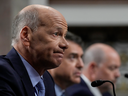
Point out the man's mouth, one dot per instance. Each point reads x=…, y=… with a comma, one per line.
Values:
x=78, y=74
x=59, y=52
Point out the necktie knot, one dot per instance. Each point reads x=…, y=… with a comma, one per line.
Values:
x=41, y=88
x=63, y=94
x=40, y=85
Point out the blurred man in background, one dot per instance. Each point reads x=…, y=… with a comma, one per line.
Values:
x=69, y=71
x=102, y=62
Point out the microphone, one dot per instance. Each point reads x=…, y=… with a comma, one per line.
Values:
x=126, y=75
x=100, y=82
x=97, y=83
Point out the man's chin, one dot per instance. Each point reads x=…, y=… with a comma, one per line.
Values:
x=77, y=80
x=54, y=65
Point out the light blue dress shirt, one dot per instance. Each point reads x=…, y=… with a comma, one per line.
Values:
x=33, y=74
x=58, y=90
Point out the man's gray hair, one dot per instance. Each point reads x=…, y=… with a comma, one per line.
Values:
x=96, y=55
x=26, y=18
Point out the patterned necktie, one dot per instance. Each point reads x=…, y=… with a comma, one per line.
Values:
x=41, y=88
x=63, y=94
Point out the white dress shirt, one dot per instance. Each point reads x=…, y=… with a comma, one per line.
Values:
x=94, y=90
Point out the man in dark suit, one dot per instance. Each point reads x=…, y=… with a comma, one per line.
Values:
x=38, y=41
x=102, y=62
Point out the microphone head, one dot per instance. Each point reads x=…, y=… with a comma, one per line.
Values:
x=97, y=83
x=126, y=75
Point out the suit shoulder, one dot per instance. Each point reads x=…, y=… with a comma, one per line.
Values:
x=49, y=83
x=80, y=89
x=48, y=77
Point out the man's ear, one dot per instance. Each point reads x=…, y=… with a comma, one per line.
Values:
x=93, y=69
x=25, y=35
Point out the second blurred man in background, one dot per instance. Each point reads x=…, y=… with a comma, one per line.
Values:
x=102, y=62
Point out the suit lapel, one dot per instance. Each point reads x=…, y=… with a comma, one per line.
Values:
x=49, y=84
x=28, y=86
x=21, y=70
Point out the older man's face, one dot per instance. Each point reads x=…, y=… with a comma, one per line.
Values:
x=109, y=70
x=48, y=42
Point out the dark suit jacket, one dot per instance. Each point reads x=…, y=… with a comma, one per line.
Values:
x=107, y=94
x=14, y=79
x=81, y=89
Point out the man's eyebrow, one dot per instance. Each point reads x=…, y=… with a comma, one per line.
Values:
x=74, y=54
x=58, y=27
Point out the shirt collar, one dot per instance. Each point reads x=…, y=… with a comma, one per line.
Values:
x=33, y=74
x=58, y=90
x=94, y=90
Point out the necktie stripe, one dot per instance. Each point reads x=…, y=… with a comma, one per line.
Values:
x=40, y=89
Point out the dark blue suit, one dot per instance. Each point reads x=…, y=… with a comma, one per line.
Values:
x=81, y=89
x=107, y=94
x=14, y=79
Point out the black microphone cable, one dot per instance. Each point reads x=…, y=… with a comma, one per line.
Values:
x=100, y=82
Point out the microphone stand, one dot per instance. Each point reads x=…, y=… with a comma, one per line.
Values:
x=100, y=82
x=113, y=87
